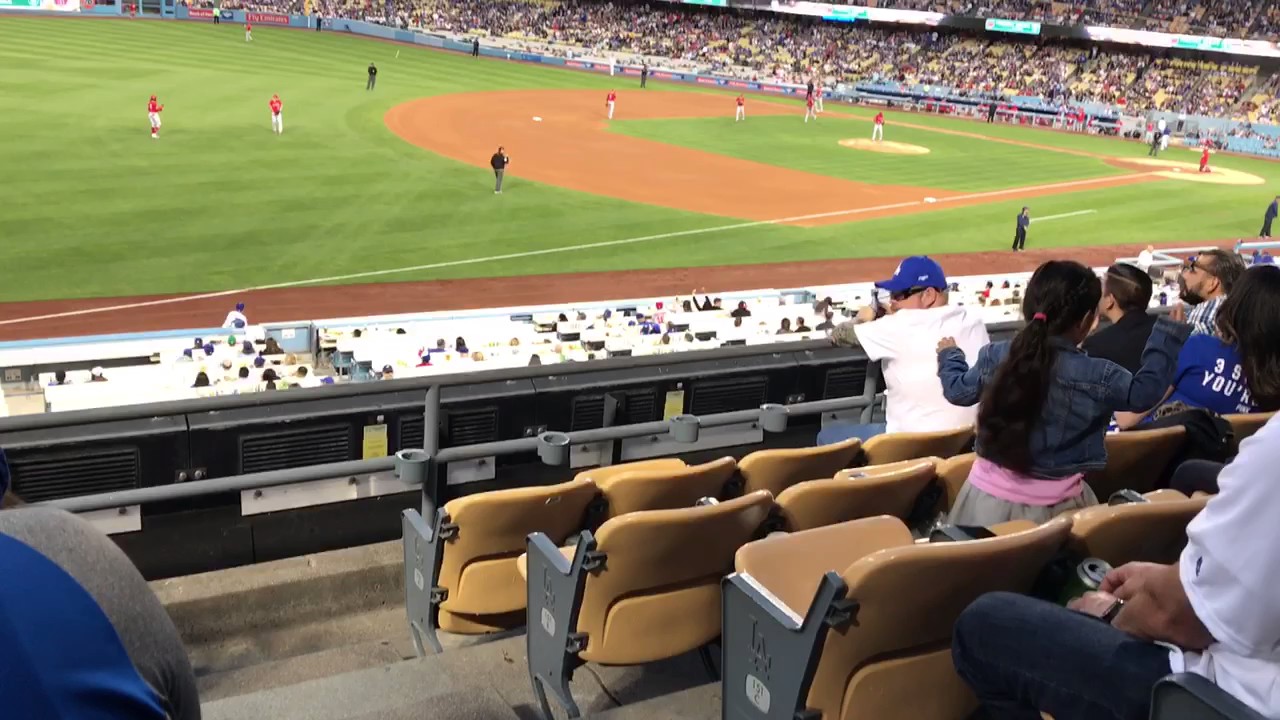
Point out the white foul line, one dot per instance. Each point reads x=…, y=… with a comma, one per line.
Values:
x=1062, y=215
x=552, y=251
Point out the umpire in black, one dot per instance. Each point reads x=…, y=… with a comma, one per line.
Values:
x=499, y=163
x=373, y=77
x=644, y=74
x=1020, y=233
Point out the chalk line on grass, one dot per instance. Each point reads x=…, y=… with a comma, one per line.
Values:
x=1059, y=216
x=552, y=251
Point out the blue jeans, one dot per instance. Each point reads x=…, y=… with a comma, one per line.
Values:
x=839, y=432
x=1023, y=656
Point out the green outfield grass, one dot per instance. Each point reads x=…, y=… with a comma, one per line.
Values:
x=954, y=162
x=93, y=207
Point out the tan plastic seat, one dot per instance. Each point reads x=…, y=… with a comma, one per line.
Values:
x=478, y=569
x=1154, y=531
x=893, y=660
x=1135, y=460
x=852, y=494
x=1244, y=425
x=657, y=593
x=896, y=447
x=662, y=488
x=601, y=474
x=777, y=470
x=952, y=474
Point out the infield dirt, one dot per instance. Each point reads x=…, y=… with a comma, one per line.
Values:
x=572, y=148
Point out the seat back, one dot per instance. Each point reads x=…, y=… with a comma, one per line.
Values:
x=1244, y=425
x=866, y=492
x=602, y=474
x=777, y=470
x=908, y=600
x=896, y=447
x=658, y=592
x=952, y=474
x=1136, y=460
x=1154, y=531
x=663, y=488
x=479, y=564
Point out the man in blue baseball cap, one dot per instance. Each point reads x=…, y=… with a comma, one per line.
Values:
x=903, y=336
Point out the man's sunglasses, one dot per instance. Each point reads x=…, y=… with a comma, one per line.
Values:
x=904, y=294
x=1195, y=264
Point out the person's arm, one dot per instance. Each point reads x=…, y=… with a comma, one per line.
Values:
x=1143, y=390
x=961, y=385
x=1129, y=420
x=1156, y=606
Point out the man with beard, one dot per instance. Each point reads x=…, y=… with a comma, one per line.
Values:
x=1205, y=281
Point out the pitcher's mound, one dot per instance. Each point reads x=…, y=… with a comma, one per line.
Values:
x=1175, y=170
x=883, y=146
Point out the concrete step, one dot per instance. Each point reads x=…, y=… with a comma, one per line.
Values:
x=488, y=680
x=297, y=669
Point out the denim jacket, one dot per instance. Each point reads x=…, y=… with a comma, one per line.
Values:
x=1084, y=394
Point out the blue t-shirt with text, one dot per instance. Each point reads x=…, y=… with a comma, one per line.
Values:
x=1209, y=375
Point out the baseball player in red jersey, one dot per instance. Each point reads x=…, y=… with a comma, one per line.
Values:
x=248, y=31
x=1204, y=160
x=877, y=128
x=610, y=100
x=808, y=109
x=817, y=96
x=153, y=114
x=277, y=118
x=741, y=113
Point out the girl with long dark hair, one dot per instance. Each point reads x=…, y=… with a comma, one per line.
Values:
x=1045, y=403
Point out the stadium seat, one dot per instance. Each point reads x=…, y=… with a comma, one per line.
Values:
x=896, y=447
x=852, y=494
x=777, y=470
x=645, y=587
x=1136, y=460
x=658, y=486
x=1244, y=425
x=952, y=474
x=1187, y=696
x=461, y=574
x=877, y=611
x=1154, y=530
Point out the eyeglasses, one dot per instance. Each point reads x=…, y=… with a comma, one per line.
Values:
x=1195, y=264
x=904, y=294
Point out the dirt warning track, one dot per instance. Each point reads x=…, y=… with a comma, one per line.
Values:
x=571, y=147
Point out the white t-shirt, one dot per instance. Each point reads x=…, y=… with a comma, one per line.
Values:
x=907, y=344
x=1145, y=258
x=1229, y=570
x=1160, y=125
x=232, y=317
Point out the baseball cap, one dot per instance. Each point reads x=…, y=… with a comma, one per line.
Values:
x=916, y=271
x=96, y=372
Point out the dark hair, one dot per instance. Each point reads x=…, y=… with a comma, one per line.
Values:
x=244, y=372
x=60, y=377
x=269, y=374
x=1249, y=318
x=202, y=380
x=271, y=384
x=1227, y=267
x=1130, y=286
x=460, y=344
x=1059, y=297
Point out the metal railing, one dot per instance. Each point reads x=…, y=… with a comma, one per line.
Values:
x=419, y=464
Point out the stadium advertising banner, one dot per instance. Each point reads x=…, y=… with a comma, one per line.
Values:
x=46, y=5
x=1017, y=27
x=204, y=13
x=267, y=18
x=1258, y=48
x=853, y=13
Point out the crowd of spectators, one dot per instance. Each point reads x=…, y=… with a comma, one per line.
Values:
x=795, y=49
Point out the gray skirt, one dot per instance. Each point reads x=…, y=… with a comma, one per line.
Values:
x=976, y=508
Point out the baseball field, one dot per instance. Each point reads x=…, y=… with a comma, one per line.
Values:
x=391, y=185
